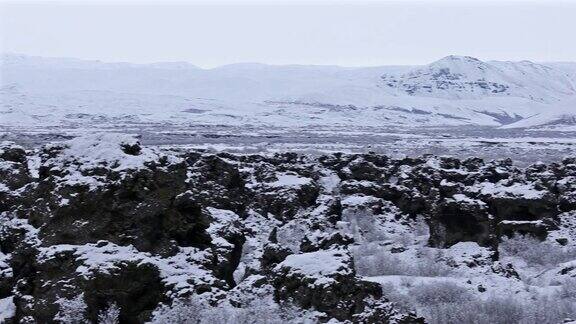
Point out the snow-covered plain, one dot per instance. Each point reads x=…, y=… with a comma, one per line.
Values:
x=457, y=105
x=455, y=90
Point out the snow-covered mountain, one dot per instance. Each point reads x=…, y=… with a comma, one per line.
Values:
x=455, y=90
x=459, y=77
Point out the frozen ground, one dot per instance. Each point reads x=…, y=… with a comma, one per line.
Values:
x=457, y=105
x=523, y=146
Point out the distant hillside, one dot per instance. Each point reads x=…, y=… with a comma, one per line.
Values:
x=455, y=90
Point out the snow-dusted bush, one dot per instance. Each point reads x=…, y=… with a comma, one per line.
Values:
x=494, y=310
x=180, y=312
x=421, y=228
x=199, y=312
x=535, y=252
x=380, y=263
x=72, y=311
x=548, y=309
x=372, y=259
x=430, y=263
x=568, y=289
x=386, y=263
x=402, y=301
x=440, y=292
x=500, y=309
x=446, y=302
x=111, y=315
x=364, y=226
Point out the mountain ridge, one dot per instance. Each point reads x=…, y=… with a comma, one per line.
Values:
x=455, y=90
x=11, y=56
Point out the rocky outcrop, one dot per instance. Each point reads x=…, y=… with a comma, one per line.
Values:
x=103, y=220
x=325, y=280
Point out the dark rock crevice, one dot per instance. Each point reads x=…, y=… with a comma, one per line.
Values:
x=197, y=216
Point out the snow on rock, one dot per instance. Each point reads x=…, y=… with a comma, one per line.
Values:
x=28, y=233
x=289, y=180
x=330, y=182
x=225, y=230
x=469, y=253
x=358, y=201
x=114, y=150
x=502, y=190
x=318, y=265
x=225, y=221
x=5, y=269
x=566, y=231
x=14, y=171
x=80, y=161
x=7, y=309
x=461, y=198
x=326, y=280
x=180, y=272
x=258, y=230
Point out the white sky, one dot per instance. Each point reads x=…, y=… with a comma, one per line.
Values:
x=349, y=33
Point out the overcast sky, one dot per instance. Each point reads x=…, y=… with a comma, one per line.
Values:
x=354, y=33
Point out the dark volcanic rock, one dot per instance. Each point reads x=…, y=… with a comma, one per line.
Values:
x=104, y=220
x=462, y=219
x=325, y=280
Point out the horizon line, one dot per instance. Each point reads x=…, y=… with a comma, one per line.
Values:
x=192, y=65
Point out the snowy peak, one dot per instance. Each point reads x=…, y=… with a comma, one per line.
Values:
x=459, y=67
x=456, y=61
x=451, y=77
x=465, y=77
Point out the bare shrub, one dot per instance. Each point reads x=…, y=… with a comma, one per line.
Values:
x=72, y=311
x=373, y=260
x=364, y=226
x=440, y=292
x=548, y=309
x=381, y=263
x=386, y=263
x=495, y=310
x=181, y=312
x=111, y=315
x=501, y=310
x=443, y=302
x=421, y=228
x=568, y=289
x=199, y=312
x=535, y=252
x=402, y=301
x=431, y=264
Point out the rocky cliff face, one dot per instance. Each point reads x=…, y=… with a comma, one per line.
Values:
x=101, y=225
